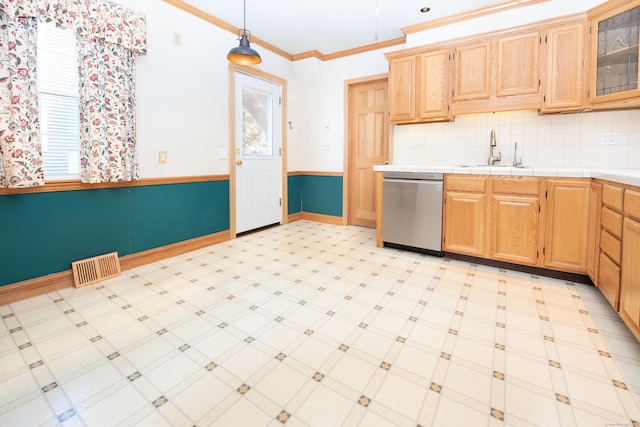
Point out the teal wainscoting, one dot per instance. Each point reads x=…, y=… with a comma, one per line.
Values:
x=42, y=233
x=320, y=194
x=294, y=194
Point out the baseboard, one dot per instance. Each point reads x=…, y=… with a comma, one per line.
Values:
x=34, y=287
x=294, y=217
x=325, y=219
x=56, y=281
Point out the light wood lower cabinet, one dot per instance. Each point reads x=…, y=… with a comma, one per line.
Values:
x=514, y=229
x=567, y=225
x=465, y=215
x=593, y=236
x=509, y=219
x=610, y=243
x=630, y=284
x=516, y=219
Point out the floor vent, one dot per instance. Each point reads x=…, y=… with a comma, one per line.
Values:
x=91, y=270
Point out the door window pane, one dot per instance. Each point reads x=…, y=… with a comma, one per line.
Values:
x=256, y=123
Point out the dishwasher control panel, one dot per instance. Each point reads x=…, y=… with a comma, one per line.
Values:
x=418, y=176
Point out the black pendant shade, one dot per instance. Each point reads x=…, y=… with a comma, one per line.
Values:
x=243, y=54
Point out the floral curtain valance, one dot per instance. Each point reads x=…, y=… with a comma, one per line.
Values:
x=92, y=19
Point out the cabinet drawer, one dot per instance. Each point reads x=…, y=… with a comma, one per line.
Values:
x=612, y=197
x=474, y=183
x=609, y=280
x=612, y=221
x=632, y=203
x=517, y=185
x=611, y=246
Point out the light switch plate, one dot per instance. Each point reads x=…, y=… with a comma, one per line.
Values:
x=162, y=157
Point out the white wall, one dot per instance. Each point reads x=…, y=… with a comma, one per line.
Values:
x=182, y=95
x=563, y=140
x=322, y=86
x=182, y=92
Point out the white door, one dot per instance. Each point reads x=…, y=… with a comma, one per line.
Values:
x=258, y=160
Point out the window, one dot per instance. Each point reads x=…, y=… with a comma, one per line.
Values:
x=58, y=102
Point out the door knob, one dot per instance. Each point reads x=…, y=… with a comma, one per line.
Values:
x=238, y=162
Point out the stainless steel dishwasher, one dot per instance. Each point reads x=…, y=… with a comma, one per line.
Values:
x=412, y=211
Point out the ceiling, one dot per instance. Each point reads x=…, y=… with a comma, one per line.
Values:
x=331, y=26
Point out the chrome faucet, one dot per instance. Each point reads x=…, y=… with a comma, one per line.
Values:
x=493, y=159
x=516, y=162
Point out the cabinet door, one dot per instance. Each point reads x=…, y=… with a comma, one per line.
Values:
x=614, y=54
x=464, y=223
x=473, y=72
x=518, y=64
x=593, y=235
x=433, y=85
x=567, y=225
x=630, y=284
x=565, y=74
x=402, y=90
x=514, y=229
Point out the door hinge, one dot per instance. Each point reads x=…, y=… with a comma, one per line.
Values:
x=280, y=101
x=545, y=39
x=544, y=251
x=280, y=151
x=544, y=98
x=539, y=82
x=588, y=94
x=280, y=201
x=546, y=194
x=540, y=40
x=537, y=254
x=538, y=208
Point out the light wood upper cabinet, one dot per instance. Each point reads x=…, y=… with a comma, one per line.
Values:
x=565, y=78
x=567, y=224
x=433, y=85
x=473, y=72
x=419, y=87
x=615, y=39
x=518, y=67
x=402, y=89
x=497, y=75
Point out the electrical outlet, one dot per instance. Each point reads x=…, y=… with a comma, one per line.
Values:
x=177, y=39
x=162, y=157
x=327, y=127
x=608, y=138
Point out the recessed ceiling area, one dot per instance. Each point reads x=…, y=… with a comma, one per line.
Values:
x=331, y=26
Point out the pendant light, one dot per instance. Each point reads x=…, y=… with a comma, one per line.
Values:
x=243, y=54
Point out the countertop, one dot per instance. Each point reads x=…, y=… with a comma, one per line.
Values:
x=621, y=176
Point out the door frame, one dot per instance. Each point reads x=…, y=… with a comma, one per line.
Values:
x=233, y=68
x=347, y=142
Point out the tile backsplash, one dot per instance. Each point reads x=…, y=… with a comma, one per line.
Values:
x=608, y=139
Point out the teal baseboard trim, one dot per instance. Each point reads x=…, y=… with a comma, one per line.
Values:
x=42, y=233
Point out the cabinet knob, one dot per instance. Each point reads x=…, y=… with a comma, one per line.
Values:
x=238, y=162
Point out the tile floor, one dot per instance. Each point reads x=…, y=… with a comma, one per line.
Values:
x=311, y=325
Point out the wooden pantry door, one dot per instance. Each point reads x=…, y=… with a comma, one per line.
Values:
x=368, y=145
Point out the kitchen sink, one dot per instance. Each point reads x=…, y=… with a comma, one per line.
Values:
x=493, y=166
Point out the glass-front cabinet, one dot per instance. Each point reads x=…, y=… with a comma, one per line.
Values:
x=615, y=36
